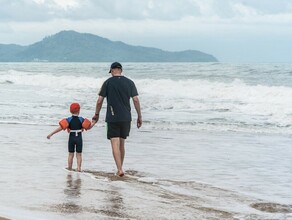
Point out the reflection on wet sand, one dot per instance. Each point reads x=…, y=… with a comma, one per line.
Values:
x=73, y=186
x=115, y=205
x=72, y=191
x=137, y=196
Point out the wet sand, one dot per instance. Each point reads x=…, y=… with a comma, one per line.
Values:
x=161, y=182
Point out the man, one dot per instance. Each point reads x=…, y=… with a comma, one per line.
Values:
x=118, y=90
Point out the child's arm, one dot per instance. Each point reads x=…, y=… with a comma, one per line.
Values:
x=54, y=132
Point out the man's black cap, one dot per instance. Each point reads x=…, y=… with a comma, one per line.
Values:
x=115, y=65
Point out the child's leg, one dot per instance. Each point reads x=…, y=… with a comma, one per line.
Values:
x=70, y=160
x=79, y=161
x=79, y=145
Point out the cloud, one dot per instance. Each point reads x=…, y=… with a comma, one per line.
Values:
x=208, y=25
x=58, y=4
x=45, y=10
x=37, y=10
x=242, y=10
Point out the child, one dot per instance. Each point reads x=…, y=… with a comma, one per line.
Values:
x=75, y=125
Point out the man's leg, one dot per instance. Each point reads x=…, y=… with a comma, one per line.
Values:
x=79, y=161
x=115, y=142
x=122, y=149
x=70, y=160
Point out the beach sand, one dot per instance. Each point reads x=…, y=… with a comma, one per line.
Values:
x=162, y=181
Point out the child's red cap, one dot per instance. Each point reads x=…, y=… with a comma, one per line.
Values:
x=74, y=108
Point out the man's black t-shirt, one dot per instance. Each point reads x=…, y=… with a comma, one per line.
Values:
x=118, y=90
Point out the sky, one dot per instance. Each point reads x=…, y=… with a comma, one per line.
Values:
x=231, y=30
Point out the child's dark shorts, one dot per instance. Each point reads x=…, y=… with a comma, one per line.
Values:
x=75, y=142
x=118, y=129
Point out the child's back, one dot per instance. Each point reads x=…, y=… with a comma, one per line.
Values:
x=75, y=125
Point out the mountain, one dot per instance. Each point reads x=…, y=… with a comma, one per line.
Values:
x=71, y=46
x=9, y=51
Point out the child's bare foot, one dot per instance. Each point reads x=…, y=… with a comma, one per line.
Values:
x=78, y=169
x=68, y=168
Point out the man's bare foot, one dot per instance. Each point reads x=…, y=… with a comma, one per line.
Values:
x=68, y=168
x=120, y=173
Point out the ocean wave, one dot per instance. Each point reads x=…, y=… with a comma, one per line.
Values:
x=182, y=104
x=6, y=82
x=188, y=86
x=62, y=82
x=219, y=125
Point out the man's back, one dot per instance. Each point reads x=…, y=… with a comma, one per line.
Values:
x=118, y=90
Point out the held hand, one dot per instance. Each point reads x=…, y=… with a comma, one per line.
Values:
x=93, y=123
x=95, y=118
x=49, y=136
x=139, y=122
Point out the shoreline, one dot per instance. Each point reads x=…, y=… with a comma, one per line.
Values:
x=213, y=166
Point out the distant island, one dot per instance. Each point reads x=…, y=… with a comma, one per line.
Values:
x=71, y=46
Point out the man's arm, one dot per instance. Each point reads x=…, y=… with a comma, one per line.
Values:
x=97, y=108
x=138, y=110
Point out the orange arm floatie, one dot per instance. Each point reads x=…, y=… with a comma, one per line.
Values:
x=64, y=124
x=86, y=124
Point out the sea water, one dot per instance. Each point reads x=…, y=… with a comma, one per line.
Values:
x=215, y=143
x=181, y=96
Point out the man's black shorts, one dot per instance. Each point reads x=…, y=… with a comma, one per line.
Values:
x=118, y=129
x=75, y=142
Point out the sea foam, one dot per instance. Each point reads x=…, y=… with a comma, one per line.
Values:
x=169, y=103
